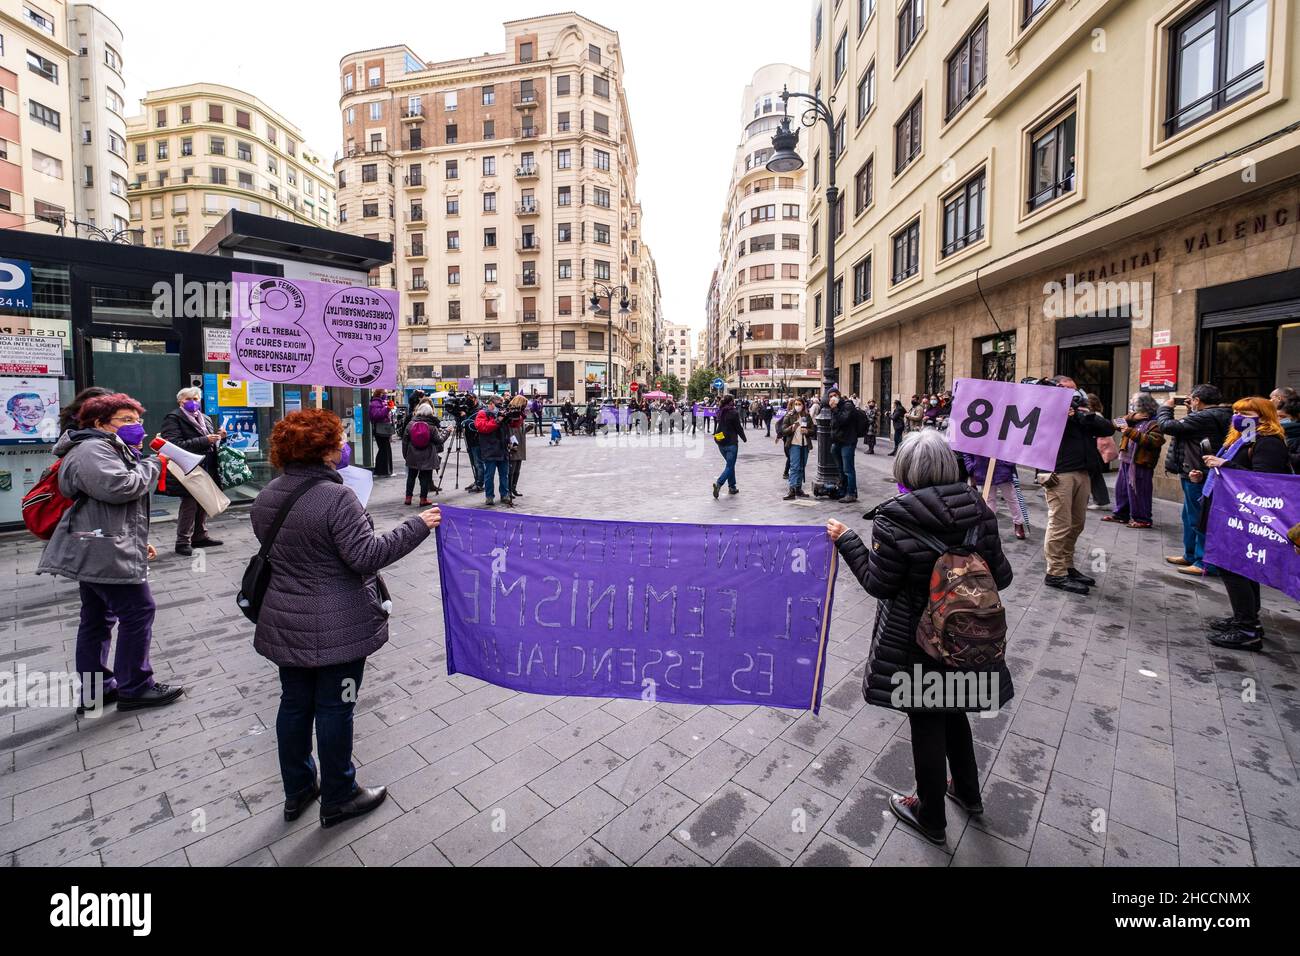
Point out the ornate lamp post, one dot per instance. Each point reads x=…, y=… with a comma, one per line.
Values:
x=786, y=160
x=740, y=331
x=599, y=289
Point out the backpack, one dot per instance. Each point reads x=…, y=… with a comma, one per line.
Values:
x=420, y=435
x=861, y=422
x=964, y=624
x=43, y=507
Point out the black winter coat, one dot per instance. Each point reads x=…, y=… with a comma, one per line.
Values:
x=180, y=430
x=1185, y=435
x=896, y=569
x=730, y=425
x=844, y=426
x=1078, y=451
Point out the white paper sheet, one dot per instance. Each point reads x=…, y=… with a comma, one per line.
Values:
x=360, y=480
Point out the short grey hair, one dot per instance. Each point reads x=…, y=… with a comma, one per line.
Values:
x=924, y=459
x=1146, y=404
x=185, y=394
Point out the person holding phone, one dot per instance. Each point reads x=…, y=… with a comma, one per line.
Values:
x=1207, y=420
x=797, y=430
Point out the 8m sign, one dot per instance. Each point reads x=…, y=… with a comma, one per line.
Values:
x=1009, y=422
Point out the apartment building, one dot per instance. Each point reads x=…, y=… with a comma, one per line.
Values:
x=677, y=354
x=200, y=150
x=763, y=252
x=38, y=168
x=1027, y=187
x=98, y=126
x=508, y=183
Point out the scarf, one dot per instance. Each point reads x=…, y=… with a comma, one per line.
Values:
x=1227, y=452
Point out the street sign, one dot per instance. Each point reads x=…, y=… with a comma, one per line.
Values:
x=635, y=387
x=15, y=284
x=719, y=383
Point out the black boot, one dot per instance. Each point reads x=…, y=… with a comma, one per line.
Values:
x=1075, y=575
x=1241, y=638
x=294, y=806
x=362, y=801
x=907, y=809
x=159, y=695
x=1063, y=582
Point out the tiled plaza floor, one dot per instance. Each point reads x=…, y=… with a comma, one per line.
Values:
x=1131, y=740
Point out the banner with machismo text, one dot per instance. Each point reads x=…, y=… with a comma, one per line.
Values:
x=680, y=613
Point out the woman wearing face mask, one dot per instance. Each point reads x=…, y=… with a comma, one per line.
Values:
x=1139, y=453
x=190, y=430
x=932, y=411
x=102, y=543
x=797, y=430
x=1255, y=442
x=322, y=614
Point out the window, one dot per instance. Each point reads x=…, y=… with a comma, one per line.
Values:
x=48, y=212
x=564, y=159
x=562, y=122
x=840, y=142
x=186, y=115
x=489, y=95
x=790, y=300
x=759, y=303
x=762, y=243
x=862, y=281
x=1031, y=9
x=837, y=218
x=370, y=210
x=562, y=85
x=489, y=129
x=525, y=53
x=141, y=153
x=817, y=28
x=489, y=202
x=490, y=238
x=967, y=67
x=449, y=102
x=564, y=196
x=600, y=158
x=789, y=242
x=217, y=175
x=43, y=115
x=593, y=53
x=907, y=136
x=564, y=306
x=907, y=251
x=453, y=169
x=1051, y=158
x=489, y=272
x=452, y=134
x=453, y=239
x=837, y=297
x=453, y=315
x=453, y=205
x=42, y=67
x=841, y=56
x=243, y=151
x=865, y=9
x=867, y=92
x=246, y=181
x=601, y=233
x=862, y=186
x=376, y=111
x=963, y=215
x=600, y=197
x=565, y=269
x=790, y=211
x=765, y=271
x=349, y=80
x=47, y=165
x=564, y=232
x=1217, y=57
x=601, y=269
x=216, y=113
x=600, y=122
x=595, y=341
x=762, y=214
x=374, y=76
x=243, y=120
x=911, y=20
x=489, y=165
x=370, y=173
x=600, y=86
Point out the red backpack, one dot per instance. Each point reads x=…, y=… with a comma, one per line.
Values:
x=44, y=505
x=420, y=435
x=964, y=624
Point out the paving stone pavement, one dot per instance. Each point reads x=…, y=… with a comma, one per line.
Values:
x=1131, y=741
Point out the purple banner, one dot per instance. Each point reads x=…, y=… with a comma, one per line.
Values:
x=618, y=417
x=313, y=333
x=1246, y=530
x=1009, y=422
x=683, y=613
x=705, y=411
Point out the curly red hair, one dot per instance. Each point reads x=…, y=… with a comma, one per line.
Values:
x=305, y=438
x=102, y=408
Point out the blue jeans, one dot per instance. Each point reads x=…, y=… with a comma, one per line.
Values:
x=476, y=463
x=1193, y=537
x=502, y=470
x=848, y=466
x=798, y=462
x=728, y=476
x=319, y=695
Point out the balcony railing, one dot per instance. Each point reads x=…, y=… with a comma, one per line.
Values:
x=526, y=171
x=417, y=252
x=528, y=280
x=418, y=285
x=525, y=100
x=416, y=217
x=414, y=113
x=527, y=316
x=417, y=320
x=527, y=207
x=527, y=132
x=529, y=243
x=413, y=182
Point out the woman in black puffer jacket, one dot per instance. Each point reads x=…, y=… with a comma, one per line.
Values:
x=896, y=569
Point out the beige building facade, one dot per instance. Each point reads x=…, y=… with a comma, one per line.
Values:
x=38, y=167
x=98, y=127
x=763, y=252
x=508, y=184
x=1038, y=187
x=200, y=150
x=677, y=353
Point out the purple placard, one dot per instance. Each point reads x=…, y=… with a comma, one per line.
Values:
x=705, y=411
x=313, y=333
x=683, y=613
x=1246, y=530
x=1009, y=422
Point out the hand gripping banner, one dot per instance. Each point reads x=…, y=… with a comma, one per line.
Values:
x=681, y=613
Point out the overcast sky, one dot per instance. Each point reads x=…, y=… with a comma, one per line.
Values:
x=686, y=65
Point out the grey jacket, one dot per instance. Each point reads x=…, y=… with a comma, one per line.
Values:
x=427, y=458
x=104, y=537
x=322, y=606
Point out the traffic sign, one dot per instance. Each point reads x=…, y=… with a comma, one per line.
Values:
x=635, y=386
x=719, y=383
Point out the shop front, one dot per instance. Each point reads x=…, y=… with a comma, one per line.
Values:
x=147, y=322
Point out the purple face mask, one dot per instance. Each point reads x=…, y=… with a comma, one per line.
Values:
x=132, y=434
x=191, y=406
x=1239, y=422
x=346, y=460
x=903, y=489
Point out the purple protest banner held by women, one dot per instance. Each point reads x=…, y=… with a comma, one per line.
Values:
x=1247, y=527
x=681, y=613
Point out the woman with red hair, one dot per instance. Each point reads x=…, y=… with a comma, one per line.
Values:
x=102, y=543
x=1255, y=442
x=325, y=609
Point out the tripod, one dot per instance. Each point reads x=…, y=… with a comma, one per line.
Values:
x=446, y=458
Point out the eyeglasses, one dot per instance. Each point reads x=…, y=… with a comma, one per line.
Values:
x=129, y=420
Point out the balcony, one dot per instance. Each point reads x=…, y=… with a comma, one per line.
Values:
x=527, y=132
x=563, y=126
x=528, y=280
x=413, y=114
x=417, y=252
x=421, y=320
x=416, y=218
x=414, y=182
x=526, y=317
x=418, y=284
x=526, y=171
x=528, y=207
x=531, y=243
x=525, y=100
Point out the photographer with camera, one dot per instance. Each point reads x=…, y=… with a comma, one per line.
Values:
x=494, y=431
x=1067, y=487
x=1203, y=427
x=462, y=408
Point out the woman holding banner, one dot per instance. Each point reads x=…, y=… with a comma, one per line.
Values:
x=1255, y=443
x=324, y=611
x=189, y=429
x=935, y=512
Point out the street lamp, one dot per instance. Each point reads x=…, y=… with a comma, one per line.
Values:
x=740, y=331
x=597, y=291
x=785, y=159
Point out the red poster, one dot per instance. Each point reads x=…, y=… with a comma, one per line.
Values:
x=1158, y=371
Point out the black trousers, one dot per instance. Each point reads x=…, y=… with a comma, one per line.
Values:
x=383, y=455
x=1243, y=593
x=515, y=467
x=426, y=479
x=942, y=740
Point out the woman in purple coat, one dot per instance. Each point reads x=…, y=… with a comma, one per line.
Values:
x=324, y=611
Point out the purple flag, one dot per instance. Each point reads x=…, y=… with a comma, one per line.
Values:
x=1009, y=422
x=1246, y=531
x=683, y=613
x=313, y=333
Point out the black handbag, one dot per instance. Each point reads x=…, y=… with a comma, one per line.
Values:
x=257, y=576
